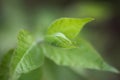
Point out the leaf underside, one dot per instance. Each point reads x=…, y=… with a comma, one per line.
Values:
x=27, y=56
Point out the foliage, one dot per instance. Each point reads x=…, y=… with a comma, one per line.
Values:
x=61, y=44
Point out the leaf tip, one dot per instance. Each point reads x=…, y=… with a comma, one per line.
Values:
x=115, y=70
x=110, y=68
x=88, y=19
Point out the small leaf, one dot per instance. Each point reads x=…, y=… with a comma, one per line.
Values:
x=26, y=57
x=83, y=57
x=5, y=65
x=70, y=27
x=59, y=40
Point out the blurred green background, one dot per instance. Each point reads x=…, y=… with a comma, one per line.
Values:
x=36, y=15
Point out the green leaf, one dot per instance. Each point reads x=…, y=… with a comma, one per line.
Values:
x=59, y=40
x=70, y=27
x=26, y=57
x=5, y=65
x=83, y=57
x=33, y=75
x=55, y=72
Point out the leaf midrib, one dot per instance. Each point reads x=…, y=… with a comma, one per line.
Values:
x=26, y=52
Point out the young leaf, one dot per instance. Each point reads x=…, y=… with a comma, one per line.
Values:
x=5, y=65
x=83, y=57
x=26, y=57
x=59, y=40
x=70, y=27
